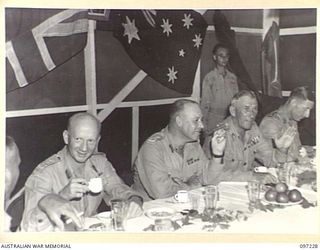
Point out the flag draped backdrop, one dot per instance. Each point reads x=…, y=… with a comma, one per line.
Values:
x=166, y=44
x=55, y=37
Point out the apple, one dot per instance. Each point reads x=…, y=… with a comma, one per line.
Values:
x=282, y=197
x=270, y=195
x=281, y=187
x=294, y=195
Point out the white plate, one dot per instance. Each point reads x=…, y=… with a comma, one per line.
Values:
x=282, y=204
x=106, y=214
x=99, y=222
x=93, y=224
x=160, y=213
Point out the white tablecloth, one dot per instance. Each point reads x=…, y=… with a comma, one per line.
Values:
x=233, y=195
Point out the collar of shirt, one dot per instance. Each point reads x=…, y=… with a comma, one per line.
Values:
x=223, y=75
x=180, y=149
x=70, y=172
x=284, y=116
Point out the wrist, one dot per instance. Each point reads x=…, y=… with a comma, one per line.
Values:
x=137, y=199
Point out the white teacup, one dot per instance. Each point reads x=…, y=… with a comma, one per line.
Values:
x=95, y=185
x=182, y=196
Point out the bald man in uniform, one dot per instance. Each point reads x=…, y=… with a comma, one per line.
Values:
x=66, y=175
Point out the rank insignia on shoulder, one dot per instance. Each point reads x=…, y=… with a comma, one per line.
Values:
x=156, y=137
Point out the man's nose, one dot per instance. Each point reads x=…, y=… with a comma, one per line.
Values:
x=307, y=113
x=201, y=124
x=84, y=146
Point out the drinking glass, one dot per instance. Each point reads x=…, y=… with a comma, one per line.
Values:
x=253, y=192
x=119, y=209
x=194, y=199
x=210, y=200
x=283, y=173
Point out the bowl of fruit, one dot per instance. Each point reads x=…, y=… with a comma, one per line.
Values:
x=280, y=194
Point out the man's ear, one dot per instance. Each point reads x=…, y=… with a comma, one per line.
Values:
x=232, y=110
x=214, y=57
x=294, y=102
x=65, y=135
x=178, y=121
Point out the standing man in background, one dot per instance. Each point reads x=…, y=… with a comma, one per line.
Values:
x=218, y=87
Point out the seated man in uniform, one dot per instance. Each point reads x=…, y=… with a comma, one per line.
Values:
x=65, y=176
x=173, y=159
x=280, y=127
x=245, y=143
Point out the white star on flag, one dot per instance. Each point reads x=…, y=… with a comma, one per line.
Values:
x=197, y=41
x=187, y=21
x=181, y=52
x=166, y=26
x=130, y=30
x=172, y=74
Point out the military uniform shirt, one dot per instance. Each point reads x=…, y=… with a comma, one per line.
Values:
x=52, y=175
x=275, y=124
x=160, y=171
x=217, y=92
x=239, y=155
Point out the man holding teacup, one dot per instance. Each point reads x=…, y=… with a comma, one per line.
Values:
x=77, y=174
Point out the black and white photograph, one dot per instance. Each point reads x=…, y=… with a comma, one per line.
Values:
x=180, y=122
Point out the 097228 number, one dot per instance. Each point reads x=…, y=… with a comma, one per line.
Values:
x=308, y=246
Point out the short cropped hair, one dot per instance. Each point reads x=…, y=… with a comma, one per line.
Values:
x=219, y=46
x=242, y=93
x=178, y=106
x=82, y=115
x=301, y=93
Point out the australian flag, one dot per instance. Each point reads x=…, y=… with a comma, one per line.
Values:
x=166, y=44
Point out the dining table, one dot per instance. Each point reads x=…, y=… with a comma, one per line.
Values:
x=233, y=204
x=234, y=214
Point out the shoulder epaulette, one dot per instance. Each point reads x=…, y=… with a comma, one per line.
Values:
x=50, y=161
x=156, y=137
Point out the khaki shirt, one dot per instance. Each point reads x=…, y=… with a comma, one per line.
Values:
x=274, y=125
x=52, y=175
x=160, y=171
x=239, y=156
x=217, y=92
